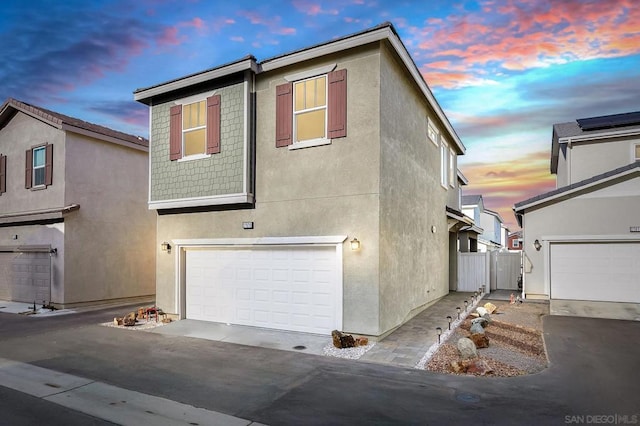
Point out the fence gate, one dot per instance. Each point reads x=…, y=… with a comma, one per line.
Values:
x=473, y=271
x=505, y=270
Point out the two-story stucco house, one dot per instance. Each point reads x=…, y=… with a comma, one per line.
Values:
x=74, y=224
x=492, y=236
x=305, y=192
x=582, y=240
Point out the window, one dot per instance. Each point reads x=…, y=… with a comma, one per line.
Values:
x=432, y=132
x=452, y=169
x=195, y=129
x=444, y=163
x=3, y=174
x=638, y=152
x=39, y=167
x=311, y=111
x=516, y=243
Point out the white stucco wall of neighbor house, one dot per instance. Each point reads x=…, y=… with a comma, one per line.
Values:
x=414, y=238
x=109, y=241
x=605, y=214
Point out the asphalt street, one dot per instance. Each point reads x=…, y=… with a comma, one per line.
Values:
x=594, y=371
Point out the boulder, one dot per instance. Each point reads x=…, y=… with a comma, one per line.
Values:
x=467, y=348
x=458, y=367
x=487, y=317
x=129, y=319
x=476, y=328
x=482, y=321
x=490, y=307
x=481, y=311
x=479, y=367
x=480, y=340
x=342, y=341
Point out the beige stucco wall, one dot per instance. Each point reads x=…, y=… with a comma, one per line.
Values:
x=110, y=240
x=605, y=213
x=585, y=160
x=414, y=261
x=21, y=133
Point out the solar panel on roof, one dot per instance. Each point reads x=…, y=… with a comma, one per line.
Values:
x=609, y=121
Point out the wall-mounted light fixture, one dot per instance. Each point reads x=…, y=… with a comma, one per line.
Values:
x=165, y=246
x=537, y=245
x=355, y=244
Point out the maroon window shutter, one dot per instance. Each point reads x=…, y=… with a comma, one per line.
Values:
x=48, y=165
x=175, y=133
x=3, y=174
x=213, y=124
x=28, y=168
x=337, y=108
x=284, y=115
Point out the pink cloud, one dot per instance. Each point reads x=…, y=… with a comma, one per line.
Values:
x=271, y=22
x=525, y=34
x=313, y=9
x=170, y=37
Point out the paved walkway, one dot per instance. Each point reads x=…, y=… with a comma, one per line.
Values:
x=406, y=346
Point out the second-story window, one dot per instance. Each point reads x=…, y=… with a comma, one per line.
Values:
x=444, y=163
x=310, y=109
x=638, y=152
x=194, y=128
x=38, y=166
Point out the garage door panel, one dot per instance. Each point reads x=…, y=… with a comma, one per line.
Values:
x=293, y=288
x=604, y=271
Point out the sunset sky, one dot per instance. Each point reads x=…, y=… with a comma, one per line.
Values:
x=503, y=71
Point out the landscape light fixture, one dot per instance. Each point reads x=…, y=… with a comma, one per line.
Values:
x=480, y=290
x=439, y=331
x=537, y=245
x=458, y=309
x=449, y=319
x=465, y=305
x=355, y=244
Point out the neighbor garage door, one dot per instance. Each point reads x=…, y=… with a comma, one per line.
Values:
x=25, y=276
x=596, y=271
x=288, y=288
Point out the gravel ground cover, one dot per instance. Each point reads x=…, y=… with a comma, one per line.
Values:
x=515, y=342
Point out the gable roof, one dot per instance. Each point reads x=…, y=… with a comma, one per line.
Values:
x=384, y=31
x=592, y=129
x=495, y=214
x=471, y=200
x=570, y=191
x=64, y=122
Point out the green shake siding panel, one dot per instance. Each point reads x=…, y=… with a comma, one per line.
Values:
x=219, y=174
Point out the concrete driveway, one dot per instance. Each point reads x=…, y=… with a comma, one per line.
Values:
x=593, y=372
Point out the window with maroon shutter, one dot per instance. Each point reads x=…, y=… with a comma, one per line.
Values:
x=337, y=108
x=3, y=174
x=175, y=133
x=213, y=124
x=284, y=114
x=48, y=166
x=28, y=168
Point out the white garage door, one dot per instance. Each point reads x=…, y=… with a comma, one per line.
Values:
x=596, y=271
x=25, y=276
x=289, y=288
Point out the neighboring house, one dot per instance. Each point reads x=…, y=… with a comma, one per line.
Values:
x=582, y=240
x=490, y=222
x=74, y=225
x=515, y=241
x=311, y=191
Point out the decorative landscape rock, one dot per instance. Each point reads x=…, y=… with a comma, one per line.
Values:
x=342, y=341
x=488, y=318
x=362, y=341
x=476, y=328
x=481, y=320
x=479, y=366
x=467, y=348
x=129, y=319
x=490, y=307
x=481, y=311
x=480, y=340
